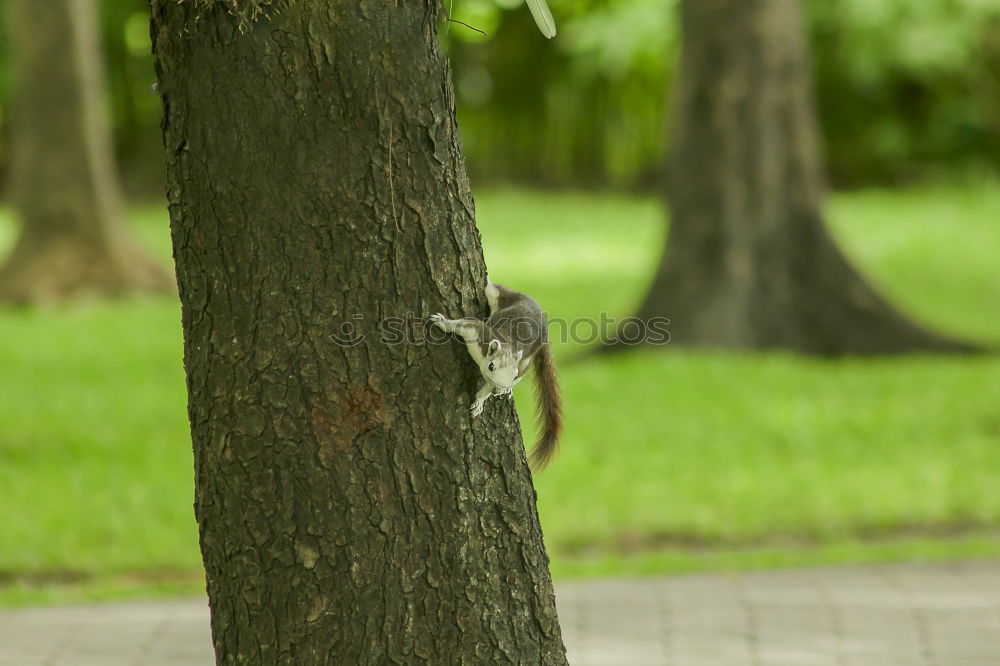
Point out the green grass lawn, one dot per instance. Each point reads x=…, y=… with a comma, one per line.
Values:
x=672, y=460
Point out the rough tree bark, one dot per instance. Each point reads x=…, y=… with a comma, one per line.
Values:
x=62, y=180
x=749, y=263
x=350, y=510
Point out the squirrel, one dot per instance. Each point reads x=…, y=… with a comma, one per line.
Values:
x=503, y=347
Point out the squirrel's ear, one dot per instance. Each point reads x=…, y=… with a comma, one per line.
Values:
x=494, y=347
x=520, y=354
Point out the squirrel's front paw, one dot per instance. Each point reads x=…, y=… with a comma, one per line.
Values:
x=440, y=321
x=477, y=407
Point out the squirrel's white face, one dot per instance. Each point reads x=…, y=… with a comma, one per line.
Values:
x=501, y=365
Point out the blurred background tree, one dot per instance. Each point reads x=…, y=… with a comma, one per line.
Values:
x=63, y=182
x=749, y=263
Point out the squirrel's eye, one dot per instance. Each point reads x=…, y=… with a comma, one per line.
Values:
x=490, y=367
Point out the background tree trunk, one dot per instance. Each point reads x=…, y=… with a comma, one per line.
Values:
x=350, y=510
x=749, y=263
x=62, y=179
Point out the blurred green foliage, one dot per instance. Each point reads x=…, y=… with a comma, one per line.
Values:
x=906, y=89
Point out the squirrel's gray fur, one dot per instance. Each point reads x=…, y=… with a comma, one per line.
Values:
x=504, y=347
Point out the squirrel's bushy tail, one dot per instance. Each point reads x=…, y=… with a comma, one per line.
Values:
x=549, y=408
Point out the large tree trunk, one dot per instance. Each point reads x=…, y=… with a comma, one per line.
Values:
x=350, y=510
x=749, y=263
x=62, y=179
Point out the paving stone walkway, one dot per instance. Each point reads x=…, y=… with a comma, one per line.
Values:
x=914, y=615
